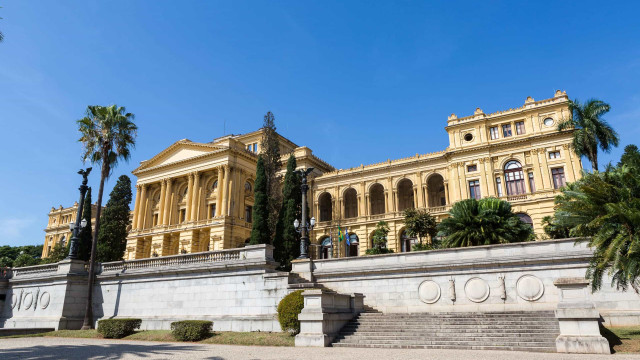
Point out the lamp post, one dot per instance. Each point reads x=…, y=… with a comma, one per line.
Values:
x=304, y=228
x=80, y=224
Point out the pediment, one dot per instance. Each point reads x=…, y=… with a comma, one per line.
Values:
x=179, y=151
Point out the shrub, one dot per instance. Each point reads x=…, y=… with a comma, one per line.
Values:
x=191, y=330
x=5, y=261
x=118, y=328
x=24, y=260
x=378, y=251
x=288, y=310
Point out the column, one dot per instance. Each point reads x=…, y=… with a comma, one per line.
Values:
x=484, y=183
x=362, y=201
x=386, y=201
x=446, y=192
x=231, y=196
x=225, y=190
x=537, y=170
x=167, y=203
x=195, y=197
x=453, y=180
x=163, y=195
x=219, y=195
x=568, y=161
x=366, y=204
x=189, y=196
x=136, y=209
x=419, y=188
x=142, y=209
x=491, y=180
x=546, y=176
x=464, y=190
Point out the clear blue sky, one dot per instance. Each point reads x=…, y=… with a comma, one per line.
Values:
x=357, y=82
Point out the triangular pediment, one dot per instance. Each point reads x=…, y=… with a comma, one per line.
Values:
x=179, y=151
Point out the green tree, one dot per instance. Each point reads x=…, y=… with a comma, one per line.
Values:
x=57, y=254
x=24, y=260
x=259, y=228
x=630, y=157
x=287, y=239
x=5, y=262
x=591, y=131
x=380, y=235
x=553, y=229
x=84, y=237
x=108, y=134
x=487, y=221
x=114, y=222
x=420, y=224
x=270, y=146
x=12, y=252
x=606, y=208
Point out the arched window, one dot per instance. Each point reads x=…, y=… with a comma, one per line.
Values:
x=247, y=187
x=215, y=185
x=514, y=178
x=354, y=241
x=376, y=198
x=525, y=219
x=435, y=191
x=350, y=204
x=405, y=195
x=326, y=248
x=63, y=241
x=326, y=207
x=406, y=242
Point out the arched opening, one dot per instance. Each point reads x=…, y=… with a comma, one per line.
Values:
x=376, y=198
x=435, y=191
x=352, y=248
x=326, y=248
x=525, y=218
x=405, y=194
x=326, y=208
x=406, y=242
x=63, y=241
x=350, y=203
x=514, y=178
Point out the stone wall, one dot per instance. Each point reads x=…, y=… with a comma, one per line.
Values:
x=237, y=289
x=485, y=278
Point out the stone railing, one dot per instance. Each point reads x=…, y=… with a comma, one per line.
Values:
x=256, y=252
x=35, y=270
x=517, y=197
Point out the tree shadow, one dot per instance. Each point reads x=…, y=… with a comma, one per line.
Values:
x=103, y=351
x=611, y=337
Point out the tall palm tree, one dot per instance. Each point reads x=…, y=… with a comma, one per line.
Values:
x=487, y=221
x=591, y=131
x=108, y=135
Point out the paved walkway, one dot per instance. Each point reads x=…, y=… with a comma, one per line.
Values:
x=67, y=348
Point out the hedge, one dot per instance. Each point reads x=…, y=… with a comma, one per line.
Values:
x=288, y=310
x=191, y=330
x=118, y=328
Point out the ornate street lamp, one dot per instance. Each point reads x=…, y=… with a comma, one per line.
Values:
x=80, y=224
x=304, y=228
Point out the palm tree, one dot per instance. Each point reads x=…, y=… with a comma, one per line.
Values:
x=487, y=221
x=591, y=131
x=108, y=134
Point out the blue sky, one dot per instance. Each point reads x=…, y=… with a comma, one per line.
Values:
x=358, y=81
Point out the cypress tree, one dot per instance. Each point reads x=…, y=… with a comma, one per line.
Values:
x=287, y=239
x=112, y=238
x=271, y=157
x=260, y=229
x=85, y=237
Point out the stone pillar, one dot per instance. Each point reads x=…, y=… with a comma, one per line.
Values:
x=163, y=195
x=195, y=198
x=136, y=209
x=537, y=170
x=420, y=190
x=568, y=161
x=578, y=319
x=386, y=201
x=219, y=195
x=231, y=190
x=167, y=203
x=546, y=175
x=446, y=192
x=189, y=196
x=225, y=188
x=142, y=210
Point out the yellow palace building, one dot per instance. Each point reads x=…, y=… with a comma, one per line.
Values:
x=195, y=197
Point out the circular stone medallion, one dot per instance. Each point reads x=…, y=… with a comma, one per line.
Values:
x=14, y=300
x=44, y=300
x=529, y=288
x=429, y=291
x=27, y=300
x=476, y=289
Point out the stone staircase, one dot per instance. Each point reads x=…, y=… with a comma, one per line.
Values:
x=521, y=331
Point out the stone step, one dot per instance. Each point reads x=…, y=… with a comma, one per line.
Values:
x=502, y=324
x=436, y=336
x=460, y=314
x=545, y=349
x=492, y=342
x=457, y=321
x=462, y=332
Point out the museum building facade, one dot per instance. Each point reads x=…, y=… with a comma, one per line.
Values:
x=194, y=197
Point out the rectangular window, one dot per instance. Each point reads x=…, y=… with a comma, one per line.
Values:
x=558, y=177
x=493, y=132
x=506, y=130
x=554, y=154
x=499, y=186
x=472, y=168
x=520, y=127
x=255, y=147
x=248, y=210
x=183, y=215
x=474, y=189
x=212, y=211
x=532, y=183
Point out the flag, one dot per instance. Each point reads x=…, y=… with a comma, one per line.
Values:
x=339, y=234
x=346, y=236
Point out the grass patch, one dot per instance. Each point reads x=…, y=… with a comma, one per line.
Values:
x=224, y=337
x=251, y=338
x=623, y=339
